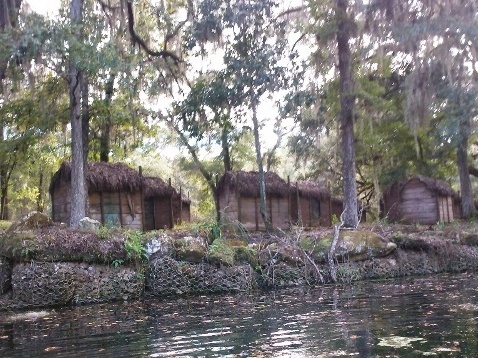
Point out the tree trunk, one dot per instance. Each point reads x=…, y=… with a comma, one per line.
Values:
x=78, y=187
x=347, y=98
x=226, y=155
x=262, y=181
x=40, y=200
x=467, y=202
x=105, y=138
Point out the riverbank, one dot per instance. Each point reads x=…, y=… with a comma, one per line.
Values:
x=43, y=264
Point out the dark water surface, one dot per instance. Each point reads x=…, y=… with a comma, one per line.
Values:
x=412, y=317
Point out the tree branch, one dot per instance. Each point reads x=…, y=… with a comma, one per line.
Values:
x=136, y=39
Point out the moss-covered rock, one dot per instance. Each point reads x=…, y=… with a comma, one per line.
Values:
x=354, y=245
x=359, y=245
x=246, y=255
x=191, y=249
x=221, y=253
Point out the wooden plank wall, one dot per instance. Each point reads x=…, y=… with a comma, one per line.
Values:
x=445, y=209
x=419, y=205
x=61, y=204
x=162, y=213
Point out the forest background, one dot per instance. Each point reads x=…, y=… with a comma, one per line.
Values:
x=351, y=94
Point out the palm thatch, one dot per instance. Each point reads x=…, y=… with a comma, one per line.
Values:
x=102, y=177
x=436, y=186
x=247, y=183
x=157, y=187
x=313, y=190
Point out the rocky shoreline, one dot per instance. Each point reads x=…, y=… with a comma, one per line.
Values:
x=43, y=264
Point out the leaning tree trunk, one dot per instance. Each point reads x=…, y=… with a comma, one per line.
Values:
x=344, y=23
x=78, y=187
x=262, y=181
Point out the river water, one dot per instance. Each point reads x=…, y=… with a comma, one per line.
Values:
x=410, y=317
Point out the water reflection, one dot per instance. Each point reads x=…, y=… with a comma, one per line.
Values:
x=434, y=316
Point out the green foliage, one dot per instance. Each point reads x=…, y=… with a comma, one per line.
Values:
x=117, y=263
x=134, y=246
x=4, y=225
x=212, y=230
x=103, y=232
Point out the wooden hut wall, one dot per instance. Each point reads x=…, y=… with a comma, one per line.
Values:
x=249, y=213
x=314, y=212
x=445, y=209
x=246, y=210
x=186, y=212
x=228, y=205
x=162, y=213
x=61, y=203
x=148, y=214
x=419, y=204
x=391, y=203
x=116, y=209
x=279, y=212
x=182, y=212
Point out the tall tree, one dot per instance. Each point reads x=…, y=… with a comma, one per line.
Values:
x=78, y=168
x=345, y=24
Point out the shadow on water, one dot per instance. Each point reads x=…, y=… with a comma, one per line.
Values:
x=432, y=316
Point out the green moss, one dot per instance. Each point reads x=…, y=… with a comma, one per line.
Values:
x=318, y=248
x=4, y=225
x=220, y=252
x=18, y=246
x=246, y=254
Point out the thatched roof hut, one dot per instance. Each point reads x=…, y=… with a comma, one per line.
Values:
x=114, y=194
x=119, y=195
x=238, y=197
x=102, y=177
x=311, y=204
x=420, y=199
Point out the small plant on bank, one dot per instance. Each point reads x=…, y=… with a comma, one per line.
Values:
x=117, y=263
x=103, y=232
x=212, y=230
x=133, y=244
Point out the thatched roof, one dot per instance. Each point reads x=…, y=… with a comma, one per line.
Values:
x=102, y=177
x=434, y=185
x=157, y=187
x=312, y=190
x=247, y=183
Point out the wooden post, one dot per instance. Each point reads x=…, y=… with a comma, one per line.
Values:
x=120, y=209
x=102, y=210
x=270, y=210
x=238, y=199
x=256, y=214
x=143, y=219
